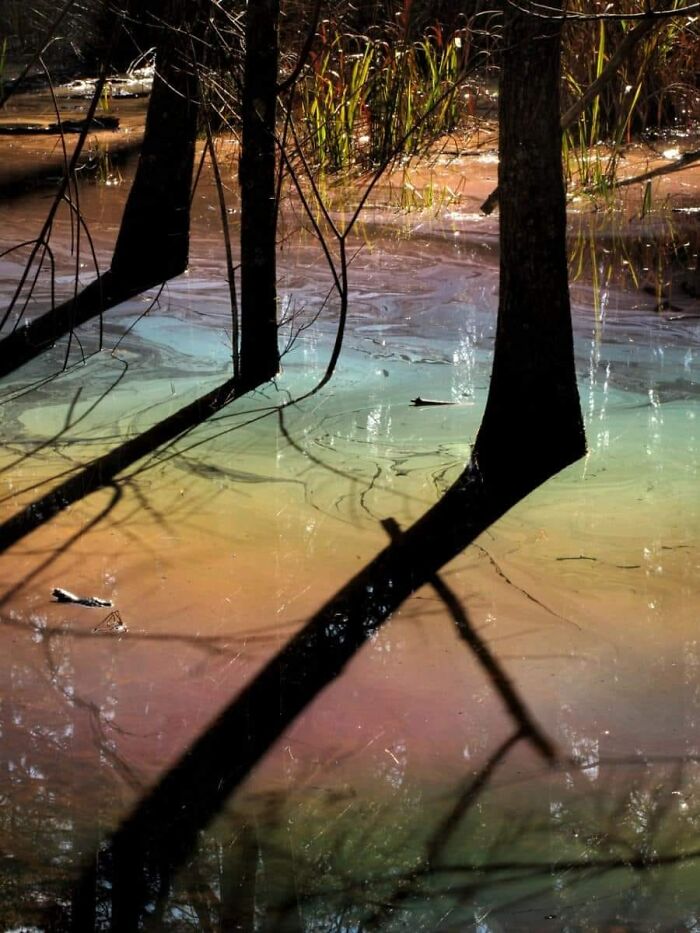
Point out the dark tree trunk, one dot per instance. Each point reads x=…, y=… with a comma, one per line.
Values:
x=257, y=171
x=153, y=241
x=532, y=424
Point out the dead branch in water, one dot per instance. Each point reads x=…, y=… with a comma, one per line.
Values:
x=570, y=116
x=687, y=159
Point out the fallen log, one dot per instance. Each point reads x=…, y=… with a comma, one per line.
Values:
x=59, y=128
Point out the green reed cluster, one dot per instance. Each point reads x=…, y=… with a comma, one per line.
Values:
x=654, y=88
x=367, y=100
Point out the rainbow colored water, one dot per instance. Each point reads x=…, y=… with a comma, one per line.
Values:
x=222, y=545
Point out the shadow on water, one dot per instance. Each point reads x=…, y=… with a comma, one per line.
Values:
x=42, y=177
x=158, y=870
x=139, y=862
x=462, y=864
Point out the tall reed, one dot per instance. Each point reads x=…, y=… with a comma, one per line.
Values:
x=366, y=99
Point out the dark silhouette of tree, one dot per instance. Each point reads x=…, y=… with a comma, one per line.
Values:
x=154, y=236
x=153, y=241
x=532, y=424
x=258, y=180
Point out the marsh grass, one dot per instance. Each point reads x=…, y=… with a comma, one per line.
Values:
x=409, y=194
x=656, y=86
x=367, y=100
x=592, y=147
x=101, y=167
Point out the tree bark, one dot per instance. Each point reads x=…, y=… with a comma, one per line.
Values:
x=532, y=424
x=257, y=173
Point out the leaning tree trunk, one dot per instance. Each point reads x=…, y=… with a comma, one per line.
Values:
x=257, y=172
x=153, y=241
x=532, y=424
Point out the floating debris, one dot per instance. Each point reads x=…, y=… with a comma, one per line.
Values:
x=112, y=624
x=65, y=596
x=429, y=401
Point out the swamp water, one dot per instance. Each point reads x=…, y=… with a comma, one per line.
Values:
x=396, y=800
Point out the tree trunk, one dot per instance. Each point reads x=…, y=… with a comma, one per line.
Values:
x=257, y=172
x=532, y=424
x=153, y=241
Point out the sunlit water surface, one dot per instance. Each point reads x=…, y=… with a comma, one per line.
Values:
x=221, y=546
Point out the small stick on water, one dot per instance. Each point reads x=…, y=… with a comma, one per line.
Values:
x=430, y=401
x=65, y=596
